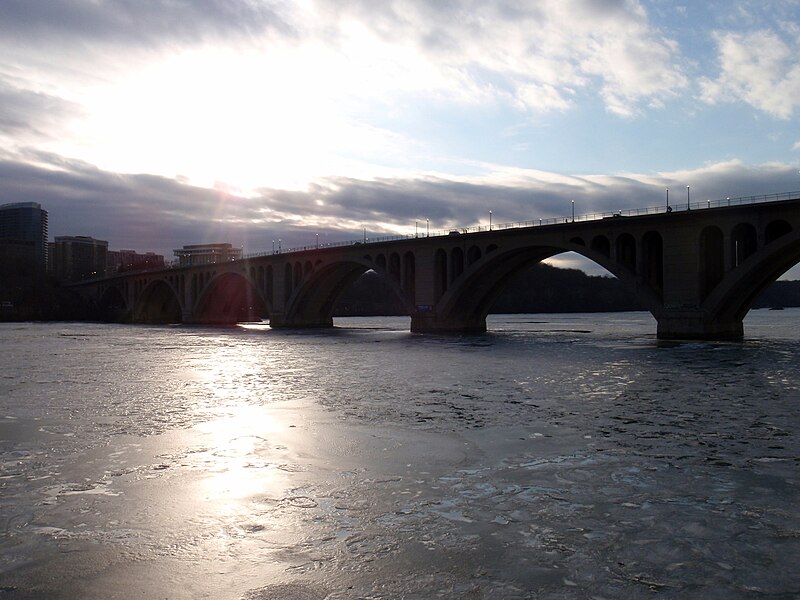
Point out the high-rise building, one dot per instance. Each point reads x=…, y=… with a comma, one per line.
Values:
x=23, y=233
x=202, y=254
x=79, y=257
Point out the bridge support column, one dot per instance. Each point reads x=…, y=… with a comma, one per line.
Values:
x=428, y=322
x=697, y=325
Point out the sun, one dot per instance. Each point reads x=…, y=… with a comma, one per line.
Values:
x=247, y=118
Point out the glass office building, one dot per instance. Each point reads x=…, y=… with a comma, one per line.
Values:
x=23, y=229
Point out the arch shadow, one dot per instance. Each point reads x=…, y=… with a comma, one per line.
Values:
x=158, y=303
x=227, y=299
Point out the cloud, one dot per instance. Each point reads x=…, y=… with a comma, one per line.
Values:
x=27, y=115
x=278, y=93
x=135, y=23
x=151, y=213
x=759, y=68
x=536, y=54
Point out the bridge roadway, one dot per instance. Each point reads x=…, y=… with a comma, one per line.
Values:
x=697, y=270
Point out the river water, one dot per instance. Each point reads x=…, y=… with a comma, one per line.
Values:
x=557, y=456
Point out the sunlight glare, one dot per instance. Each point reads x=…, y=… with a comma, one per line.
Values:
x=250, y=118
x=237, y=467
x=247, y=118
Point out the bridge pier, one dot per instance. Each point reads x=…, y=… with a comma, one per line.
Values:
x=697, y=325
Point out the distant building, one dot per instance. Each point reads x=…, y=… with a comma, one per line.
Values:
x=23, y=235
x=203, y=254
x=118, y=261
x=79, y=257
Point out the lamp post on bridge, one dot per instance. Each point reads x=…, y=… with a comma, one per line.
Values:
x=573, y=210
x=279, y=245
x=317, y=241
x=273, y=246
x=490, y=220
x=427, y=227
x=668, y=210
x=688, y=199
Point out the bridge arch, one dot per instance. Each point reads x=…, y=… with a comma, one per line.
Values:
x=653, y=262
x=626, y=251
x=473, y=255
x=311, y=304
x=464, y=304
x=410, y=274
x=113, y=306
x=394, y=266
x=733, y=298
x=269, y=285
x=744, y=242
x=712, y=259
x=601, y=245
x=229, y=298
x=456, y=263
x=440, y=279
x=287, y=282
x=776, y=229
x=158, y=303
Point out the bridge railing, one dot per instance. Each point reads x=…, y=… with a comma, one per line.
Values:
x=633, y=212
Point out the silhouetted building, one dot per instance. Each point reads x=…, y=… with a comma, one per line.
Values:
x=119, y=261
x=79, y=257
x=203, y=254
x=23, y=235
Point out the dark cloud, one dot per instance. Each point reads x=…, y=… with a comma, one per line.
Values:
x=134, y=22
x=151, y=213
x=26, y=113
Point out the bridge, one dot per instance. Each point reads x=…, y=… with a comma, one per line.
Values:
x=697, y=268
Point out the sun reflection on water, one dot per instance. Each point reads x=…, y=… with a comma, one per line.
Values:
x=238, y=462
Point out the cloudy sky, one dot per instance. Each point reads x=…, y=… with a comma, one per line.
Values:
x=158, y=123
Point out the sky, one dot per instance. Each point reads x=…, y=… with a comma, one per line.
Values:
x=154, y=124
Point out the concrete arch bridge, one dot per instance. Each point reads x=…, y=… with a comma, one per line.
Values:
x=697, y=270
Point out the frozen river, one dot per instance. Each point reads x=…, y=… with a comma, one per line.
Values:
x=558, y=456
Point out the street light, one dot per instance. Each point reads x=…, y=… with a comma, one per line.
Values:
x=490, y=220
x=273, y=246
x=317, y=241
x=279, y=245
x=427, y=227
x=668, y=210
x=688, y=201
x=573, y=210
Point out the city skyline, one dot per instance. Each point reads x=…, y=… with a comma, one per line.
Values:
x=160, y=125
